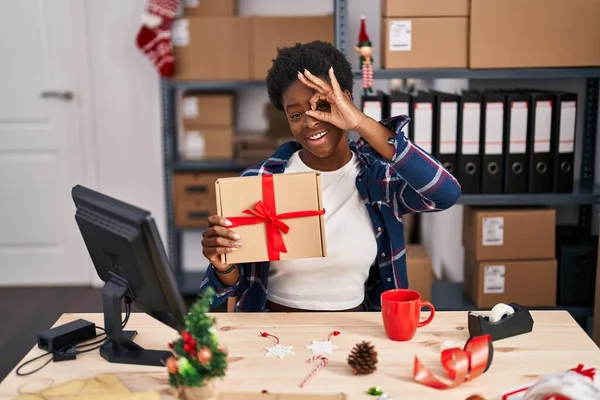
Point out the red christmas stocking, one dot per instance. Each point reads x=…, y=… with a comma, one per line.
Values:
x=154, y=37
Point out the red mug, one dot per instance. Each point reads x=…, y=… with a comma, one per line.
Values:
x=401, y=311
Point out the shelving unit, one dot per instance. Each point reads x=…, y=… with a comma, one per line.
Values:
x=585, y=195
x=525, y=73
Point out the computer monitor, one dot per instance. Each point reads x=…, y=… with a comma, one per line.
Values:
x=128, y=255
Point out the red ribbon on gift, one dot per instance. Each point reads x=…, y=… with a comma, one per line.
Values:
x=461, y=365
x=265, y=211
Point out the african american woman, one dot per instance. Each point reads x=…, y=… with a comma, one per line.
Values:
x=367, y=187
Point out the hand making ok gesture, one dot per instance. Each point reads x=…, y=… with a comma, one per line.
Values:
x=343, y=113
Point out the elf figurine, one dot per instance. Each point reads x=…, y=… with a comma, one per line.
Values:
x=365, y=50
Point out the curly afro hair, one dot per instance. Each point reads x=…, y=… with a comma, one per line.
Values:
x=317, y=57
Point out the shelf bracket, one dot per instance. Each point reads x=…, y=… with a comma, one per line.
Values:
x=340, y=11
x=588, y=148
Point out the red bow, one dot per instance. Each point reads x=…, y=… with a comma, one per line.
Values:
x=461, y=365
x=264, y=211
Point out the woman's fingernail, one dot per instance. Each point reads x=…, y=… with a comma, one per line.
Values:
x=227, y=222
x=235, y=236
x=230, y=249
x=239, y=244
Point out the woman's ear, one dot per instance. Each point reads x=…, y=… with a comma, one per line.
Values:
x=349, y=94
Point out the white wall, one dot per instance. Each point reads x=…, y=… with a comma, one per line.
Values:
x=127, y=114
x=126, y=107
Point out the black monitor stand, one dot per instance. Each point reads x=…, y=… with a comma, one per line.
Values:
x=120, y=347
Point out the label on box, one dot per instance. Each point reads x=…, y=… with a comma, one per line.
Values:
x=190, y=108
x=493, y=231
x=195, y=144
x=400, y=35
x=493, y=279
x=181, y=32
x=192, y=3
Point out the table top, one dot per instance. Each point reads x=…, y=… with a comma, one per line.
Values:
x=557, y=343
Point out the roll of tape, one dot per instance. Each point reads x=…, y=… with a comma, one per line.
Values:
x=499, y=311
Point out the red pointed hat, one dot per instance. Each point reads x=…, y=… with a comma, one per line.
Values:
x=363, y=38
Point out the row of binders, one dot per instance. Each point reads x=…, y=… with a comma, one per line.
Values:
x=493, y=141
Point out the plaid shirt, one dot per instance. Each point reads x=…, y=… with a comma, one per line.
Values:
x=413, y=181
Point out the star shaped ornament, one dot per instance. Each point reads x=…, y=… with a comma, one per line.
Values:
x=279, y=351
x=321, y=347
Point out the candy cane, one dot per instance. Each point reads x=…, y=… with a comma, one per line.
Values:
x=322, y=364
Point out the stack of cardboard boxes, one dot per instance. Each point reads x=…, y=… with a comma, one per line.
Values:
x=424, y=33
x=489, y=33
x=510, y=256
x=208, y=126
x=211, y=42
x=208, y=130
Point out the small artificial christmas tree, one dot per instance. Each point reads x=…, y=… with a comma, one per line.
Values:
x=363, y=359
x=198, y=355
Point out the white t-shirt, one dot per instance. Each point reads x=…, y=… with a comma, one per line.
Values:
x=335, y=282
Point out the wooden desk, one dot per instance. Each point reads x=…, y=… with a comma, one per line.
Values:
x=556, y=344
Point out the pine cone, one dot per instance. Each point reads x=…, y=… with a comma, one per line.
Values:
x=363, y=358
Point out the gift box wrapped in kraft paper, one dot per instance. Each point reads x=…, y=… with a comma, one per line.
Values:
x=279, y=217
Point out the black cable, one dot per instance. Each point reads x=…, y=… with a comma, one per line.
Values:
x=105, y=340
x=32, y=360
x=99, y=344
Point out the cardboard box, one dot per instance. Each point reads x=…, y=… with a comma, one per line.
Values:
x=208, y=109
x=210, y=8
x=211, y=48
x=419, y=270
x=530, y=283
x=425, y=8
x=268, y=33
x=210, y=142
x=251, y=149
x=509, y=233
x=424, y=42
x=290, y=193
x=534, y=33
x=194, y=198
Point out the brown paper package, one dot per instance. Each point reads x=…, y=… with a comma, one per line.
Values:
x=293, y=192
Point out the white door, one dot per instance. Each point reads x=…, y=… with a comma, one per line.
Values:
x=41, y=142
